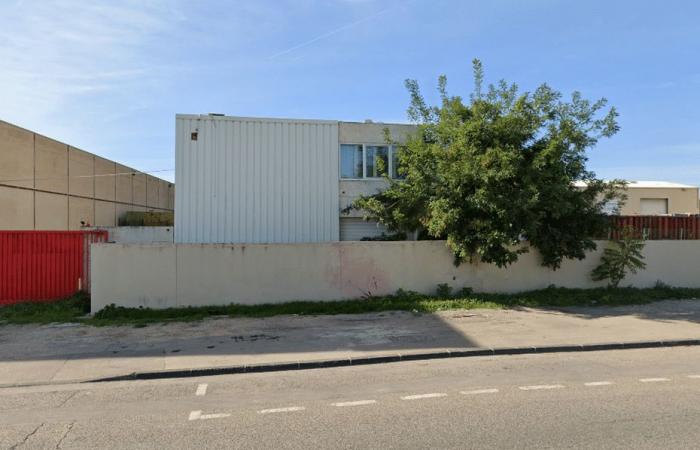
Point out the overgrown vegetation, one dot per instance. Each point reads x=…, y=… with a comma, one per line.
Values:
x=498, y=170
x=620, y=256
x=73, y=309
x=69, y=310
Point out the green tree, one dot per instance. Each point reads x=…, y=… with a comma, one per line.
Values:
x=498, y=170
x=621, y=256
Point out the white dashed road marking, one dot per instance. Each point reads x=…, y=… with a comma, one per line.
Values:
x=201, y=390
x=693, y=376
x=541, y=387
x=422, y=396
x=653, y=380
x=355, y=403
x=479, y=391
x=281, y=410
x=197, y=415
x=598, y=383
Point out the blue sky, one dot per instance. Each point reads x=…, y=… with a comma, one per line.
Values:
x=109, y=76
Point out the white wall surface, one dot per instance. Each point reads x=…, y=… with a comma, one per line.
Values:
x=139, y=235
x=160, y=276
x=248, y=180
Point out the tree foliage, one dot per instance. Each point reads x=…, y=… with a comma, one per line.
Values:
x=621, y=256
x=493, y=172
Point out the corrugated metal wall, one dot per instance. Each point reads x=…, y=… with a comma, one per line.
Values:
x=45, y=265
x=249, y=180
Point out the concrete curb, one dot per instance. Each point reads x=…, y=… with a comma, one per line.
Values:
x=366, y=360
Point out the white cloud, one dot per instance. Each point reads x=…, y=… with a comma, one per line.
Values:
x=56, y=54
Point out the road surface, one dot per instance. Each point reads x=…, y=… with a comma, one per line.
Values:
x=615, y=399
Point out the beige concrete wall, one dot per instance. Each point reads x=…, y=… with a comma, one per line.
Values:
x=124, y=184
x=105, y=181
x=51, y=165
x=163, y=192
x=372, y=133
x=16, y=156
x=351, y=190
x=51, y=211
x=81, y=168
x=138, y=182
x=158, y=263
x=16, y=209
x=49, y=185
x=680, y=200
x=160, y=276
x=80, y=210
x=105, y=214
x=152, y=186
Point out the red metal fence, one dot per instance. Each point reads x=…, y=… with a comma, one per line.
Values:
x=45, y=265
x=657, y=227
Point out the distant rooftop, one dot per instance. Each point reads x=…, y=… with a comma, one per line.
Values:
x=649, y=184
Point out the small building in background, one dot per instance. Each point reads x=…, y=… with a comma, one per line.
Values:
x=652, y=198
x=255, y=180
x=49, y=185
x=655, y=198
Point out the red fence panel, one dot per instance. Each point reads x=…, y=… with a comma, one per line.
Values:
x=45, y=265
x=657, y=227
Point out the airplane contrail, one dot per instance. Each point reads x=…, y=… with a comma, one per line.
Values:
x=330, y=33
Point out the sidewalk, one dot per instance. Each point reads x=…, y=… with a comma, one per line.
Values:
x=60, y=353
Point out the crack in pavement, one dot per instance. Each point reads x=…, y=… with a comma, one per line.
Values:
x=68, y=430
x=26, y=438
x=68, y=398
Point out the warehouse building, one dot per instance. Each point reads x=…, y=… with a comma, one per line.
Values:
x=49, y=185
x=255, y=180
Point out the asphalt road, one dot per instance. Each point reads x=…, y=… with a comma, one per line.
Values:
x=617, y=399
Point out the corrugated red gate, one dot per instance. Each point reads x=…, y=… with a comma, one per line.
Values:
x=45, y=265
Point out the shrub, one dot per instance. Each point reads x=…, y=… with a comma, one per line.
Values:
x=621, y=256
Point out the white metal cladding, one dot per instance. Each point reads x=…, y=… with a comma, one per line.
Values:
x=249, y=180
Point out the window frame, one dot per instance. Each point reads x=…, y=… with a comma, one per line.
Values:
x=390, y=159
x=340, y=161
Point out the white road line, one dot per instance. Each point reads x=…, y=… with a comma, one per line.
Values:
x=653, y=380
x=280, y=410
x=355, y=403
x=197, y=415
x=421, y=396
x=598, y=383
x=213, y=416
x=693, y=376
x=479, y=391
x=540, y=387
x=201, y=390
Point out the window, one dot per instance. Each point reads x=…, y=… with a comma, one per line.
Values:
x=395, y=164
x=358, y=161
x=351, y=161
x=376, y=153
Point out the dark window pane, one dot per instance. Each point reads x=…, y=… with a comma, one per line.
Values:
x=375, y=154
x=395, y=163
x=350, y=161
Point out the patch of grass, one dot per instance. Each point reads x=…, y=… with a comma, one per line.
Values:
x=73, y=309
x=68, y=310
